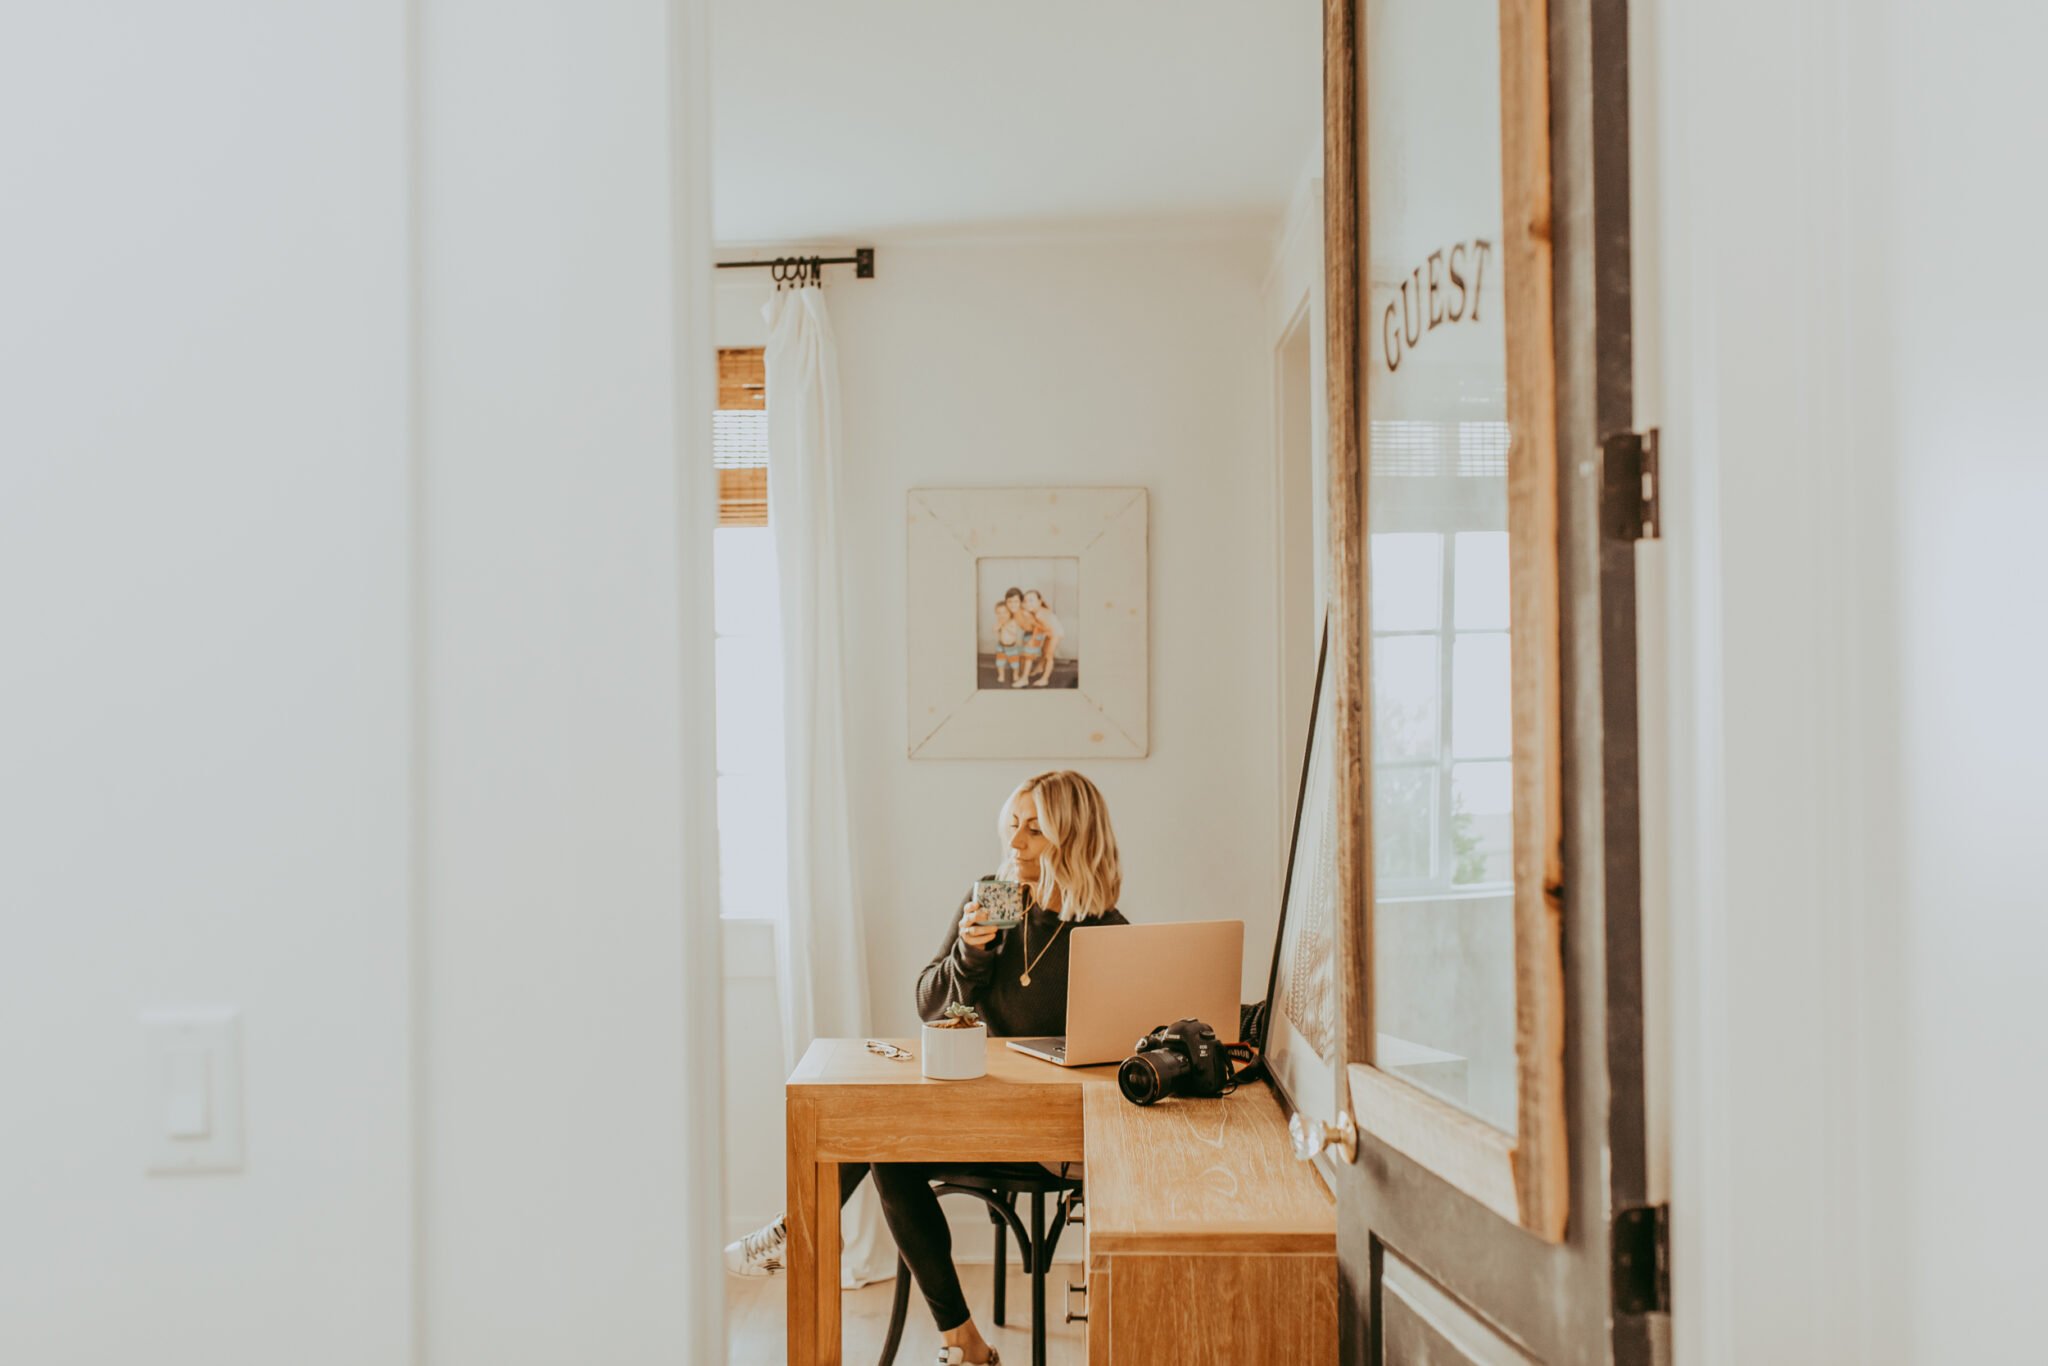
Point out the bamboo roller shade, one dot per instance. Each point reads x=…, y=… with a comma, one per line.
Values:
x=743, y=497
x=743, y=379
x=738, y=446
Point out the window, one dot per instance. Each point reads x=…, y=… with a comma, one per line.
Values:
x=752, y=838
x=739, y=438
x=1442, y=719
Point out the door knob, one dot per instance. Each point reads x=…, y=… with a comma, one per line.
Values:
x=1313, y=1137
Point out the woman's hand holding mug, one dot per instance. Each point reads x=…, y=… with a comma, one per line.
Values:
x=975, y=931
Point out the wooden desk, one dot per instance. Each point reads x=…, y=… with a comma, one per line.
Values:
x=1206, y=1240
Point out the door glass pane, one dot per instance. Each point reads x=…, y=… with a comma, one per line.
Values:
x=1404, y=823
x=1482, y=700
x=1407, y=577
x=1482, y=824
x=1404, y=704
x=1482, y=580
x=1443, y=960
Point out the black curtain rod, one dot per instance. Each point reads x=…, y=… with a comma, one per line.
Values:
x=862, y=261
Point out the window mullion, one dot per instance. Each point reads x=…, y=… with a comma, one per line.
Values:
x=1446, y=654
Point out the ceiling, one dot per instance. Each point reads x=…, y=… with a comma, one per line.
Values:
x=842, y=119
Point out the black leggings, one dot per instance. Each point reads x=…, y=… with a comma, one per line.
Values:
x=917, y=1223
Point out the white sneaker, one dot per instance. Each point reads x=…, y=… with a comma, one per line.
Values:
x=759, y=1253
x=957, y=1356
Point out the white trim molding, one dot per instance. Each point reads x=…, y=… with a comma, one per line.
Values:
x=1789, y=1087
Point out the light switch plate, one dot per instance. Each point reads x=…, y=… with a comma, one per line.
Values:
x=192, y=1091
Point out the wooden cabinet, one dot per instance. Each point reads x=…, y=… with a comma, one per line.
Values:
x=1207, y=1241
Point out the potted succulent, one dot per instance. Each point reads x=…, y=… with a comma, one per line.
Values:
x=956, y=1047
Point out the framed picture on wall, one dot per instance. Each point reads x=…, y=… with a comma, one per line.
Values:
x=1028, y=623
x=1303, y=1026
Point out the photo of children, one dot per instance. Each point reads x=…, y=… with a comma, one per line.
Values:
x=1026, y=636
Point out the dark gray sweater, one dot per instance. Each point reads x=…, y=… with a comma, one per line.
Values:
x=987, y=978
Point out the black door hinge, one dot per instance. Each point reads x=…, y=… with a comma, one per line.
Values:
x=1630, y=485
x=1642, y=1260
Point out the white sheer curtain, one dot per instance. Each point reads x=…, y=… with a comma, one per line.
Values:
x=822, y=952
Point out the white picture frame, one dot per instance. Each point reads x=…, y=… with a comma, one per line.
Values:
x=953, y=712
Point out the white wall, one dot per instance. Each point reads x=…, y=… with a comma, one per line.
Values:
x=1134, y=362
x=570, y=953
x=204, y=686
x=1967, y=124
x=1086, y=361
x=1854, y=501
x=355, y=693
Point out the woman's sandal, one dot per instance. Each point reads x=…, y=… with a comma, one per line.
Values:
x=957, y=1356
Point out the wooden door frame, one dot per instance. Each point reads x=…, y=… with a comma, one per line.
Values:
x=1553, y=1299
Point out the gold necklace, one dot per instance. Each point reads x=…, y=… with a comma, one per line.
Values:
x=1025, y=980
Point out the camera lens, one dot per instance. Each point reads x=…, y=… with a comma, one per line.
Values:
x=1145, y=1077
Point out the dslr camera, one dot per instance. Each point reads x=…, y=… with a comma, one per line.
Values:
x=1181, y=1059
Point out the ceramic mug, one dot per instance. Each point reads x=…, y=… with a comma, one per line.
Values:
x=1002, y=903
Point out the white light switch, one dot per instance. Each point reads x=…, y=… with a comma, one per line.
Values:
x=186, y=1101
x=192, y=1112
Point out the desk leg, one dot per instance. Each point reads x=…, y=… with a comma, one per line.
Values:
x=811, y=1257
x=827, y=1188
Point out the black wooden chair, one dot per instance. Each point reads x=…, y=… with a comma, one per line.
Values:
x=1035, y=1244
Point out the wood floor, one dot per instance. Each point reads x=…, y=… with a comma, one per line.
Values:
x=754, y=1320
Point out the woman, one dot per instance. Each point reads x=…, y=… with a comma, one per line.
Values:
x=1049, y=629
x=1058, y=842
x=1031, y=641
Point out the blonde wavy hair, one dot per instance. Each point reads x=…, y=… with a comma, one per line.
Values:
x=1081, y=860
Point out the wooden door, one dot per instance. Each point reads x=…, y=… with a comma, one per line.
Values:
x=1482, y=638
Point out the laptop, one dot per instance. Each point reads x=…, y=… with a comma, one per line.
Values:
x=1125, y=980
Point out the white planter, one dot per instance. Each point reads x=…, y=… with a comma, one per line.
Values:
x=955, y=1054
